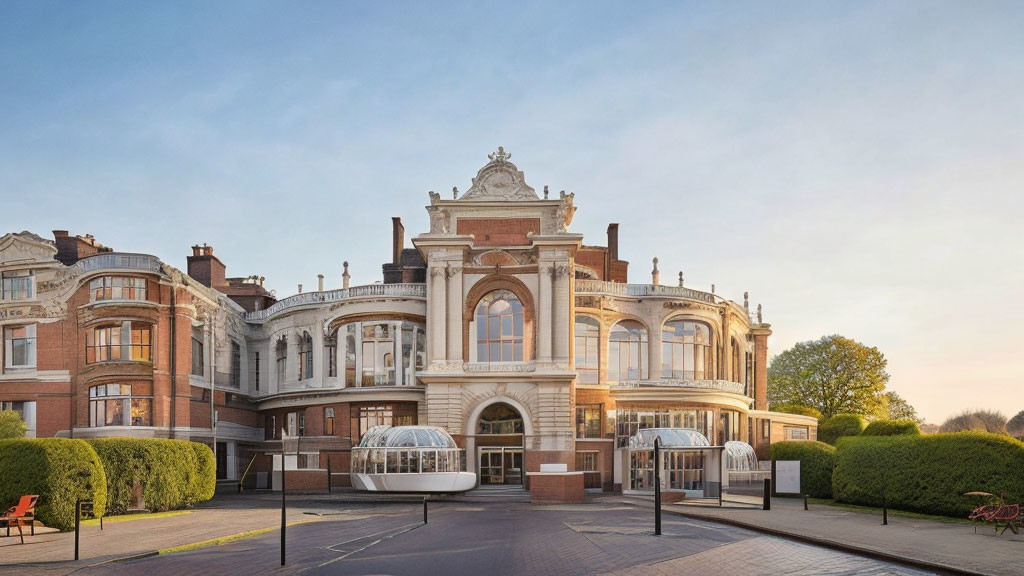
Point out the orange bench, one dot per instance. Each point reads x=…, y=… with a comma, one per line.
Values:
x=23, y=513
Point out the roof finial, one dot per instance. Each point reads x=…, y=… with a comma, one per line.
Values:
x=746, y=302
x=455, y=192
x=345, y=276
x=545, y=191
x=759, y=321
x=712, y=288
x=655, y=274
x=680, y=278
x=499, y=156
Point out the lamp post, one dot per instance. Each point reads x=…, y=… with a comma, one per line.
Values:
x=657, y=486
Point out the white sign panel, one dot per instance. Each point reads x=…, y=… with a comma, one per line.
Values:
x=787, y=477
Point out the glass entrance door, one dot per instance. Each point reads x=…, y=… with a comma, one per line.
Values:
x=491, y=469
x=513, y=465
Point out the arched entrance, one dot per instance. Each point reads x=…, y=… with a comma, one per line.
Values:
x=499, y=438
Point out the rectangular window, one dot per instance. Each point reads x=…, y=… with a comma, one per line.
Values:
x=113, y=405
x=236, y=365
x=795, y=432
x=254, y=370
x=331, y=349
x=19, y=285
x=20, y=346
x=766, y=429
x=366, y=417
x=27, y=411
x=126, y=341
x=329, y=421
x=117, y=288
x=198, y=365
x=586, y=461
x=588, y=420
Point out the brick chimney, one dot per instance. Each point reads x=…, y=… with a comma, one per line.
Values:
x=397, y=239
x=206, y=268
x=613, y=240
x=71, y=249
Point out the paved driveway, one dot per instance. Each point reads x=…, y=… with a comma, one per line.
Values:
x=496, y=539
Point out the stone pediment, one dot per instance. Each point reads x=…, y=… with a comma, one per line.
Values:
x=500, y=181
x=25, y=248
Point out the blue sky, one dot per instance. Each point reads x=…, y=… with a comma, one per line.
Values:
x=855, y=166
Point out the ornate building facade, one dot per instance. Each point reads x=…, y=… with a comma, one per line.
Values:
x=498, y=324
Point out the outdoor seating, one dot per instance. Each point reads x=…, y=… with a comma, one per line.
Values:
x=1000, y=513
x=20, y=515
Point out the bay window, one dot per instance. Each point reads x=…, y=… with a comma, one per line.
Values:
x=127, y=341
x=117, y=288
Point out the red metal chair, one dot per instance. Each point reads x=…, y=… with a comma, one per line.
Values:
x=23, y=513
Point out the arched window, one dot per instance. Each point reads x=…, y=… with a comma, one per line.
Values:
x=306, y=357
x=281, y=363
x=586, y=349
x=350, y=355
x=737, y=374
x=378, y=355
x=499, y=328
x=686, y=351
x=627, y=351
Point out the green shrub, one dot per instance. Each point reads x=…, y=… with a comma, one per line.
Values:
x=839, y=426
x=817, y=460
x=11, y=425
x=59, y=470
x=928, y=473
x=891, y=428
x=171, y=473
x=790, y=408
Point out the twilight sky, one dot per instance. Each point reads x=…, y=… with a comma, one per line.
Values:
x=856, y=166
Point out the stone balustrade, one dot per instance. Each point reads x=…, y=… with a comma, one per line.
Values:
x=621, y=289
x=327, y=296
x=720, y=385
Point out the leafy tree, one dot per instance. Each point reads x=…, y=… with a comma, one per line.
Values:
x=981, y=420
x=11, y=425
x=833, y=374
x=894, y=407
x=1016, y=425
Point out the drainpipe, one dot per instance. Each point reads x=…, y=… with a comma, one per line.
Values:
x=174, y=353
x=213, y=379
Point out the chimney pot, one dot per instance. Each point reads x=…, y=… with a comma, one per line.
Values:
x=320, y=282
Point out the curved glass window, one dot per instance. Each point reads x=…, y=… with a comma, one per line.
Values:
x=728, y=426
x=114, y=405
x=670, y=438
x=686, y=351
x=499, y=328
x=406, y=437
x=627, y=351
x=129, y=341
x=586, y=349
x=405, y=450
x=117, y=288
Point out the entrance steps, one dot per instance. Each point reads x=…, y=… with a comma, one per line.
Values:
x=495, y=493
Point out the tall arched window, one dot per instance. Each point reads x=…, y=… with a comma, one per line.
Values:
x=586, y=349
x=499, y=328
x=306, y=357
x=627, y=351
x=686, y=351
x=378, y=355
x=281, y=362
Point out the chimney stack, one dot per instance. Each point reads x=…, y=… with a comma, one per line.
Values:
x=397, y=239
x=655, y=275
x=206, y=268
x=613, y=240
x=345, y=277
x=319, y=282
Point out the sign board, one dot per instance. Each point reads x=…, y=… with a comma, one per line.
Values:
x=787, y=477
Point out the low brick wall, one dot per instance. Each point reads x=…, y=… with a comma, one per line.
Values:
x=299, y=480
x=556, y=488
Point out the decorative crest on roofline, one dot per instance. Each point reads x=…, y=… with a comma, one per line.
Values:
x=500, y=155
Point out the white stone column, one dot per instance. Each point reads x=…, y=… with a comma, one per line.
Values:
x=454, y=279
x=544, y=328
x=358, y=376
x=339, y=354
x=319, y=374
x=436, y=318
x=397, y=355
x=726, y=370
x=560, y=310
x=654, y=350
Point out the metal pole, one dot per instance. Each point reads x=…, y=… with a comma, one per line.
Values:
x=328, y=474
x=283, y=523
x=767, y=503
x=425, y=509
x=805, y=501
x=78, y=516
x=657, y=486
x=885, y=512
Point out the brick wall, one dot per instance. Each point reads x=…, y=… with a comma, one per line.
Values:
x=556, y=489
x=498, y=231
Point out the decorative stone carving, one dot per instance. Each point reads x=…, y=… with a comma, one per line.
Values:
x=25, y=247
x=746, y=302
x=55, y=309
x=561, y=271
x=439, y=223
x=691, y=306
x=499, y=180
x=434, y=197
x=496, y=258
x=450, y=271
x=437, y=271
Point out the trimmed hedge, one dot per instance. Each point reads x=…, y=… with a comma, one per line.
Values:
x=790, y=408
x=172, y=473
x=839, y=426
x=928, y=473
x=817, y=461
x=891, y=428
x=52, y=468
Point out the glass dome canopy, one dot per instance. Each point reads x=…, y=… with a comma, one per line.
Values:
x=406, y=437
x=740, y=457
x=670, y=438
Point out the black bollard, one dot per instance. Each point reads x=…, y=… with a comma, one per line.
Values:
x=805, y=501
x=329, y=475
x=78, y=517
x=767, y=503
x=657, y=486
x=283, y=523
x=425, y=509
x=885, y=513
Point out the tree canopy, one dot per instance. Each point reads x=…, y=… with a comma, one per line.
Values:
x=981, y=420
x=833, y=375
x=1016, y=425
x=11, y=425
x=894, y=407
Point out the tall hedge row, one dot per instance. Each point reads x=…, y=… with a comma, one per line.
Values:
x=838, y=426
x=928, y=473
x=172, y=473
x=817, y=461
x=59, y=470
x=891, y=428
